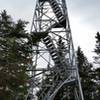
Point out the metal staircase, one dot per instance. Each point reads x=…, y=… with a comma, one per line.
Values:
x=62, y=69
x=57, y=10
x=51, y=47
x=58, y=13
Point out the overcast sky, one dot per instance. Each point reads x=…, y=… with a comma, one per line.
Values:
x=84, y=18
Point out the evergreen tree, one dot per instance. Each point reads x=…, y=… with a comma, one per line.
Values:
x=14, y=58
x=97, y=62
x=86, y=75
x=97, y=49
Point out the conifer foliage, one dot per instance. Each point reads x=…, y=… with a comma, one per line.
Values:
x=14, y=58
x=97, y=63
x=86, y=76
x=97, y=48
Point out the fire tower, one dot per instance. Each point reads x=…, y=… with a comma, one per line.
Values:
x=54, y=71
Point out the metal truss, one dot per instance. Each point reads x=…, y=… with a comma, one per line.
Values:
x=54, y=71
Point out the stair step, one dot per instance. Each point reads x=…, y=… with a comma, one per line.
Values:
x=46, y=37
x=53, y=3
x=54, y=54
x=50, y=44
x=59, y=12
x=55, y=57
x=61, y=18
x=47, y=42
x=52, y=51
x=56, y=10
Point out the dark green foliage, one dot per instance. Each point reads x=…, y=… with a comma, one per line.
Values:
x=97, y=49
x=86, y=75
x=6, y=22
x=19, y=29
x=97, y=64
x=14, y=58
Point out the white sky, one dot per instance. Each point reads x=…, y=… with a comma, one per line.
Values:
x=84, y=18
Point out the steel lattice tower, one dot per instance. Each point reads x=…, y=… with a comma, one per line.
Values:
x=54, y=72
